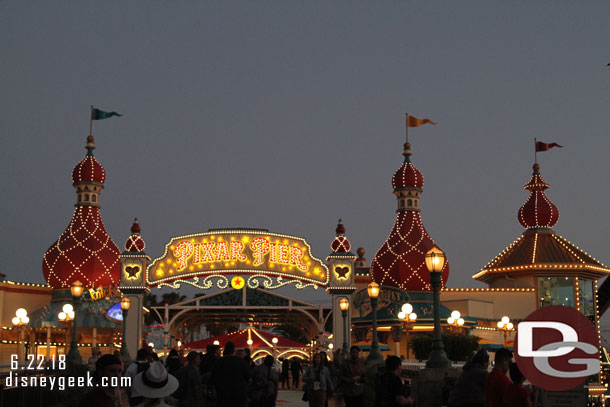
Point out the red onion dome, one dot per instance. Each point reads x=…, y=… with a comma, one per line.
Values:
x=340, y=244
x=407, y=175
x=83, y=252
x=400, y=262
x=135, y=243
x=538, y=210
x=89, y=169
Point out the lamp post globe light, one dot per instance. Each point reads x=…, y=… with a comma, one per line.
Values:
x=125, y=303
x=344, y=306
x=373, y=291
x=435, y=260
x=20, y=320
x=505, y=326
x=408, y=318
x=456, y=320
x=74, y=356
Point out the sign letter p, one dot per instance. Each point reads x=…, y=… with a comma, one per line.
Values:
x=525, y=336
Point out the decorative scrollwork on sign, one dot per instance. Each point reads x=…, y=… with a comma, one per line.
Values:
x=267, y=282
x=222, y=282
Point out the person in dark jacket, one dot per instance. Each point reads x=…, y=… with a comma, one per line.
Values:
x=230, y=378
x=469, y=389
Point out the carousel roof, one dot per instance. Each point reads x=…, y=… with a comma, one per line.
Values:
x=400, y=262
x=84, y=251
x=539, y=247
x=260, y=339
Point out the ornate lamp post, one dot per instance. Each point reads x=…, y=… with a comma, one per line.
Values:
x=408, y=318
x=455, y=320
x=505, y=326
x=125, y=303
x=373, y=291
x=74, y=356
x=435, y=260
x=20, y=320
x=344, y=305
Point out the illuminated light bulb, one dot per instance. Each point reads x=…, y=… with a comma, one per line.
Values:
x=505, y=319
x=70, y=314
x=274, y=340
x=249, y=342
x=21, y=313
x=455, y=315
x=67, y=308
x=460, y=321
x=500, y=324
x=412, y=316
x=510, y=325
x=407, y=308
x=61, y=316
x=15, y=320
x=450, y=320
x=216, y=343
x=401, y=315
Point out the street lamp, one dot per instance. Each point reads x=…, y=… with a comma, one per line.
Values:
x=125, y=303
x=373, y=291
x=408, y=318
x=344, y=305
x=455, y=320
x=20, y=320
x=74, y=356
x=435, y=260
x=505, y=326
x=274, y=340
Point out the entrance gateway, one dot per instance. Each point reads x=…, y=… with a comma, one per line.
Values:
x=238, y=258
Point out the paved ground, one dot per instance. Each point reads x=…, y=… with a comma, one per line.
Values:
x=292, y=398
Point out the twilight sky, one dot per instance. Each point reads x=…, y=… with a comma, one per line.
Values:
x=289, y=115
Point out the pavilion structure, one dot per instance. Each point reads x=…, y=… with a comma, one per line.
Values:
x=261, y=343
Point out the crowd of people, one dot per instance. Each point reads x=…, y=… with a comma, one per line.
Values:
x=478, y=387
x=233, y=379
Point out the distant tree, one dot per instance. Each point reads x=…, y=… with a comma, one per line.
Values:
x=171, y=298
x=150, y=300
x=292, y=332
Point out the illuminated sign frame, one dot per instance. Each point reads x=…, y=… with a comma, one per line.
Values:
x=269, y=259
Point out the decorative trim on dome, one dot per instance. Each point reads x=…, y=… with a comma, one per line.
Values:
x=84, y=251
x=400, y=262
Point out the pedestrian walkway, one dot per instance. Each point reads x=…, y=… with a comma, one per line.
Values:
x=292, y=398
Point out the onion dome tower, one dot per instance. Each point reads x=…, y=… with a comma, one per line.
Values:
x=134, y=242
x=400, y=262
x=340, y=243
x=84, y=251
x=539, y=255
x=341, y=285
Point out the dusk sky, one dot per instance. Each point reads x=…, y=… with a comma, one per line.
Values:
x=290, y=115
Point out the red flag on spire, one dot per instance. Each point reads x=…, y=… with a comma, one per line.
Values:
x=415, y=122
x=540, y=146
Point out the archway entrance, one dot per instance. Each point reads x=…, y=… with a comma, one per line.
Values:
x=245, y=264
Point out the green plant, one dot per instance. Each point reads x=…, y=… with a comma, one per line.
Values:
x=457, y=347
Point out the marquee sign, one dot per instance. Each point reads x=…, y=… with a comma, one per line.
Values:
x=271, y=258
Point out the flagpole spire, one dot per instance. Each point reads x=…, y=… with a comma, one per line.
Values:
x=535, y=152
x=407, y=127
x=91, y=121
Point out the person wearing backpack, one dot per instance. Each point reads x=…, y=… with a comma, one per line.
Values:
x=143, y=359
x=263, y=388
x=190, y=392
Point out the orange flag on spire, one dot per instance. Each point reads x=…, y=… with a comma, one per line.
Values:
x=415, y=122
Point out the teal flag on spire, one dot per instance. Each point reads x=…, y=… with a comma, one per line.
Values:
x=97, y=114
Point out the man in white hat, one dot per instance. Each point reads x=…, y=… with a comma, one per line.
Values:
x=154, y=385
